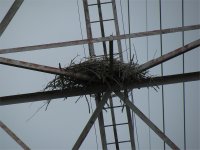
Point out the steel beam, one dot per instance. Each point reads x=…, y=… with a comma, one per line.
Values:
x=101, y=25
x=88, y=27
x=14, y=136
x=91, y=121
x=41, y=68
x=147, y=121
x=169, y=55
x=39, y=96
x=101, y=123
x=130, y=124
x=114, y=124
x=100, y=39
x=114, y=7
x=10, y=14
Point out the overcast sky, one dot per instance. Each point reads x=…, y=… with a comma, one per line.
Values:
x=47, y=21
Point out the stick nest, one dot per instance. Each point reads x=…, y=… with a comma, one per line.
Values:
x=101, y=72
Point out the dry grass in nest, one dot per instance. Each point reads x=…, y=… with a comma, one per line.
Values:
x=100, y=71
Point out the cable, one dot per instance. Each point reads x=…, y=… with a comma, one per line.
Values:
x=79, y=16
x=162, y=87
x=129, y=29
x=147, y=41
x=123, y=27
x=95, y=130
x=184, y=116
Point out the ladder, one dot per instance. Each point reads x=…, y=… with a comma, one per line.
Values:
x=114, y=125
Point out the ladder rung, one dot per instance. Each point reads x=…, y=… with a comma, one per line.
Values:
x=102, y=20
x=100, y=3
x=118, y=124
x=118, y=142
x=114, y=107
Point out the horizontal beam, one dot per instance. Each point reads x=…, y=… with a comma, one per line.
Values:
x=169, y=55
x=10, y=14
x=100, y=39
x=147, y=121
x=39, y=96
x=41, y=68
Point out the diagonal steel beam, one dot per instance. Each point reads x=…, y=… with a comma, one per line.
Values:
x=91, y=120
x=39, y=96
x=100, y=39
x=147, y=121
x=169, y=55
x=10, y=14
x=14, y=136
x=41, y=68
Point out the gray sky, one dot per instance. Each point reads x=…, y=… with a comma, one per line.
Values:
x=47, y=21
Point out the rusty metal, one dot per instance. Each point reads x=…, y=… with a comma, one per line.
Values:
x=39, y=96
x=169, y=55
x=114, y=124
x=101, y=25
x=13, y=136
x=41, y=68
x=100, y=39
x=114, y=7
x=10, y=14
x=101, y=123
x=91, y=120
x=147, y=121
x=88, y=27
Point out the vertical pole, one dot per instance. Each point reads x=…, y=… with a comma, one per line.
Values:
x=88, y=27
x=114, y=124
x=102, y=26
x=130, y=124
x=117, y=29
x=91, y=121
x=101, y=123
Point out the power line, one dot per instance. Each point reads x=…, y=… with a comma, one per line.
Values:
x=184, y=116
x=162, y=87
x=80, y=24
x=148, y=94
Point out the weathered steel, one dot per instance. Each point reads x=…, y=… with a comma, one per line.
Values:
x=41, y=68
x=117, y=29
x=101, y=123
x=102, y=26
x=10, y=14
x=100, y=39
x=88, y=27
x=130, y=124
x=14, y=136
x=39, y=96
x=169, y=55
x=114, y=124
x=147, y=121
x=91, y=121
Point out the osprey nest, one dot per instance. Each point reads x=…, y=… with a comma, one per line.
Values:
x=101, y=71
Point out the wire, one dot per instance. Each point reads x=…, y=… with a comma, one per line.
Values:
x=184, y=116
x=123, y=27
x=80, y=24
x=162, y=87
x=129, y=29
x=148, y=94
x=95, y=130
